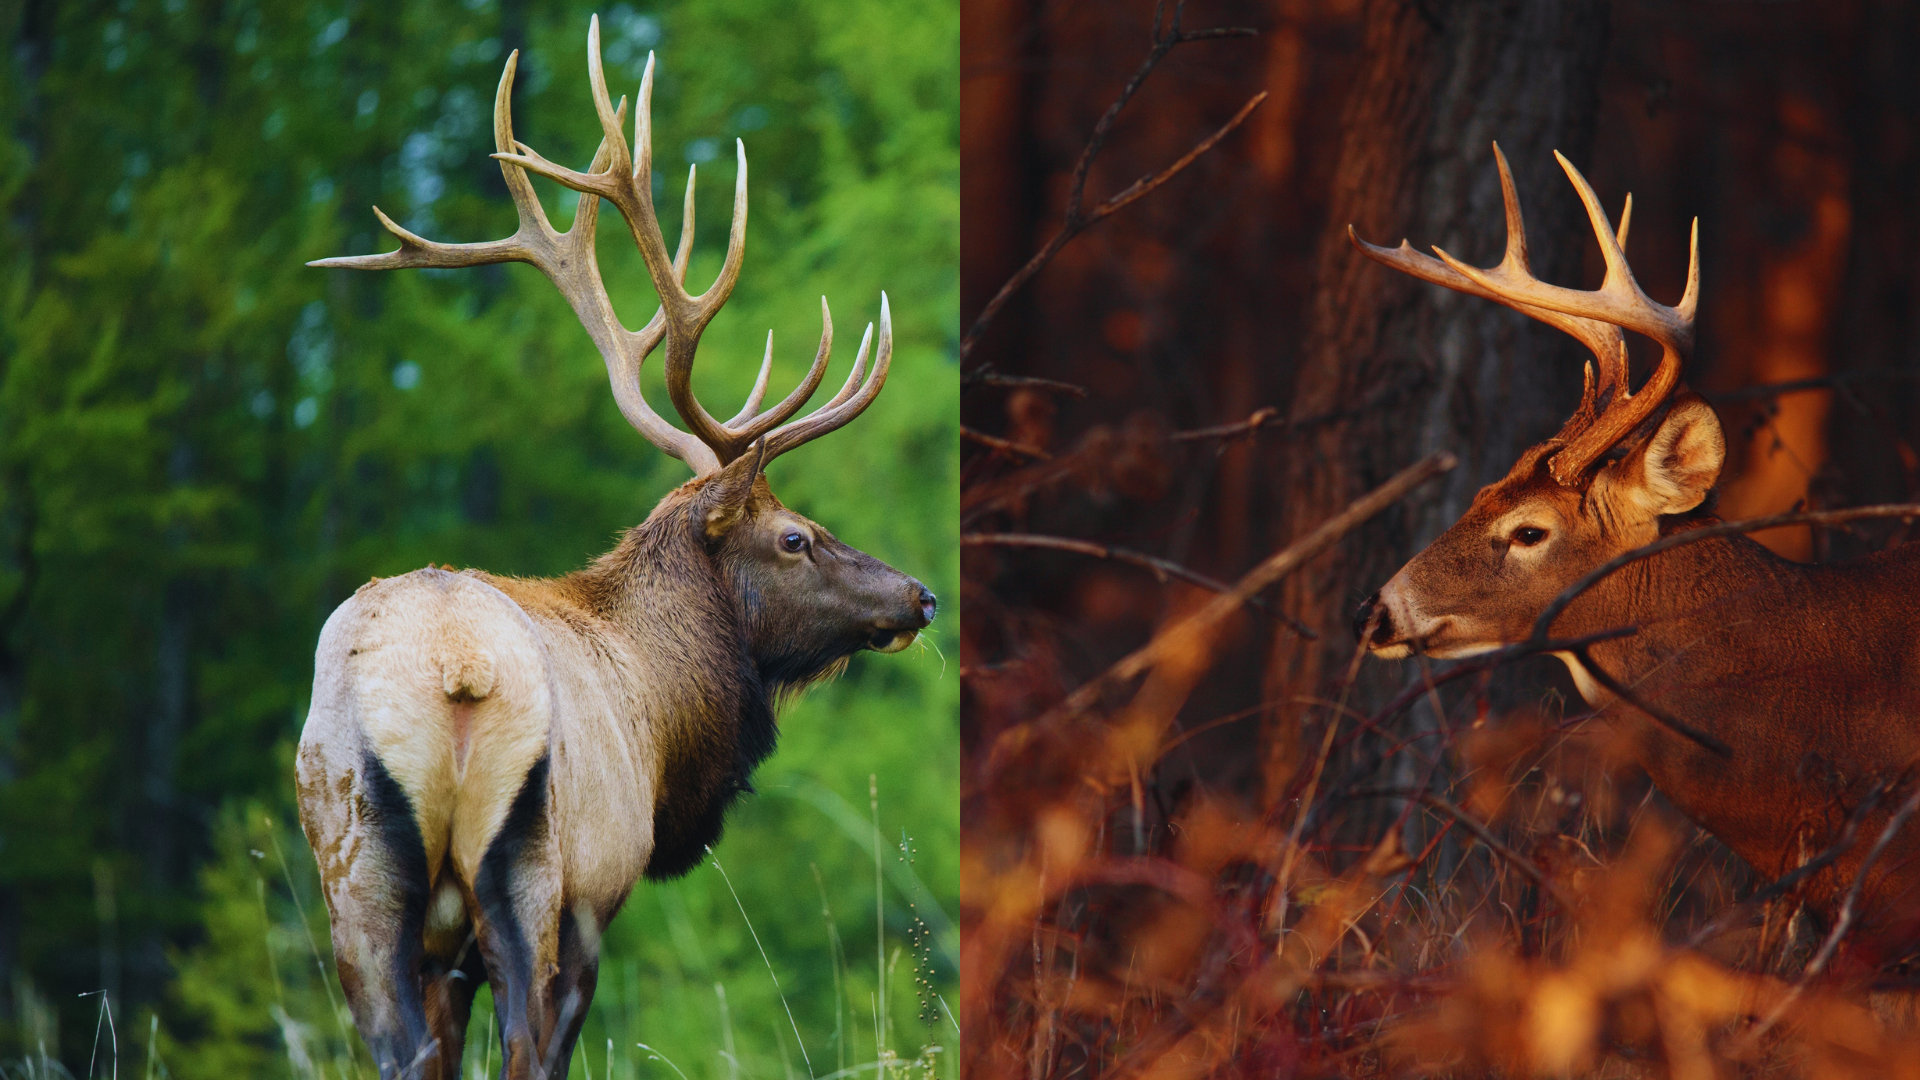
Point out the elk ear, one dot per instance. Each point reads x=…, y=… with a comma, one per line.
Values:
x=1680, y=463
x=722, y=503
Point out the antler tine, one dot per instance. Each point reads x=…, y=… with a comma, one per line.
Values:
x=696, y=312
x=855, y=376
x=627, y=182
x=1597, y=318
x=852, y=400
x=685, y=251
x=566, y=258
x=625, y=178
x=1603, y=339
x=1619, y=301
x=1516, y=225
x=417, y=252
x=761, y=423
x=1690, y=300
x=759, y=391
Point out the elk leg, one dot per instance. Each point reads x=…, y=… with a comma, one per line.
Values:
x=378, y=913
x=448, y=985
x=573, y=983
x=516, y=895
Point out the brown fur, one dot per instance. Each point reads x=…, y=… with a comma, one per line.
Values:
x=490, y=763
x=1811, y=674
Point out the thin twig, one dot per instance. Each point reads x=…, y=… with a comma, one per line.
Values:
x=1843, y=925
x=1162, y=568
x=1667, y=543
x=1788, y=882
x=1256, y=580
x=1271, y=417
x=1478, y=665
x=1708, y=532
x=1671, y=722
x=1266, y=416
x=1004, y=445
x=1824, y=382
x=1030, y=382
x=1076, y=218
x=1475, y=826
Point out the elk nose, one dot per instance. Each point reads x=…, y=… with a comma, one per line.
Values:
x=1382, y=630
x=928, y=605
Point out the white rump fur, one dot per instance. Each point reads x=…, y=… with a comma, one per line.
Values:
x=459, y=724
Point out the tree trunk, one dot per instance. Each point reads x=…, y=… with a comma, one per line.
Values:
x=996, y=178
x=1428, y=368
x=1875, y=426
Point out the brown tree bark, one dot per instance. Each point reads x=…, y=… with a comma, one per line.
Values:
x=1875, y=432
x=1428, y=368
x=996, y=38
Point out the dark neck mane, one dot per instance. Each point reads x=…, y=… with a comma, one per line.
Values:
x=661, y=585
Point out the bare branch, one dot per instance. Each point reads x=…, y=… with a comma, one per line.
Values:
x=1006, y=445
x=1843, y=925
x=1709, y=532
x=1825, y=382
x=1265, y=416
x=1478, y=828
x=1788, y=882
x=1673, y=723
x=1076, y=218
x=1162, y=568
x=1270, y=416
x=1145, y=185
x=1256, y=580
x=1029, y=382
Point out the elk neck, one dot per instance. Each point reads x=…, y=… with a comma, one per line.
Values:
x=711, y=711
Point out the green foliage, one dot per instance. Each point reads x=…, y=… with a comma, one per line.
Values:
x=256, y=996
x=204, y=446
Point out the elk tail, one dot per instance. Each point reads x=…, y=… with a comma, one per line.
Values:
x=467, y=674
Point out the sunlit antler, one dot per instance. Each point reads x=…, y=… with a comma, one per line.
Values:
x=568, y=260
x=1596, y=318
x=628, y=184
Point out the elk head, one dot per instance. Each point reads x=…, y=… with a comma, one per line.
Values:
x=1617, y=474
x=805, y=600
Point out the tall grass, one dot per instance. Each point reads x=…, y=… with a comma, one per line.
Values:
x=700, y=978
x=1469, y=891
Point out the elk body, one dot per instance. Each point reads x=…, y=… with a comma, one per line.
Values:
x=491, y=763
x=1809, y=675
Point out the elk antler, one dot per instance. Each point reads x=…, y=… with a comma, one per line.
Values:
x=1595, y=318
x=569, y=262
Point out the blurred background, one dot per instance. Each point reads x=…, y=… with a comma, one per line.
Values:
x=1236, y=373
x=205, y=446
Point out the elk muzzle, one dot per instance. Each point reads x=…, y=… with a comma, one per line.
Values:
x=891, y=635
x=1373, y=623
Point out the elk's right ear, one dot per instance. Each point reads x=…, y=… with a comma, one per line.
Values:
x=722, y=502
x=1681, y=462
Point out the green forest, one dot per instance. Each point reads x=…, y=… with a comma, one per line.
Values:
x=205, y=446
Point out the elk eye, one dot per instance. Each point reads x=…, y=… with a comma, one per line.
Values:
x=1528, y=535
x=793, y=542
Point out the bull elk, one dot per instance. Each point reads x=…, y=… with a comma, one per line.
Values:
x=491, y=763
x=1803, y=679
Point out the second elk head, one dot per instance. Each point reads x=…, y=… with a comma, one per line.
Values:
x=1768, y=699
